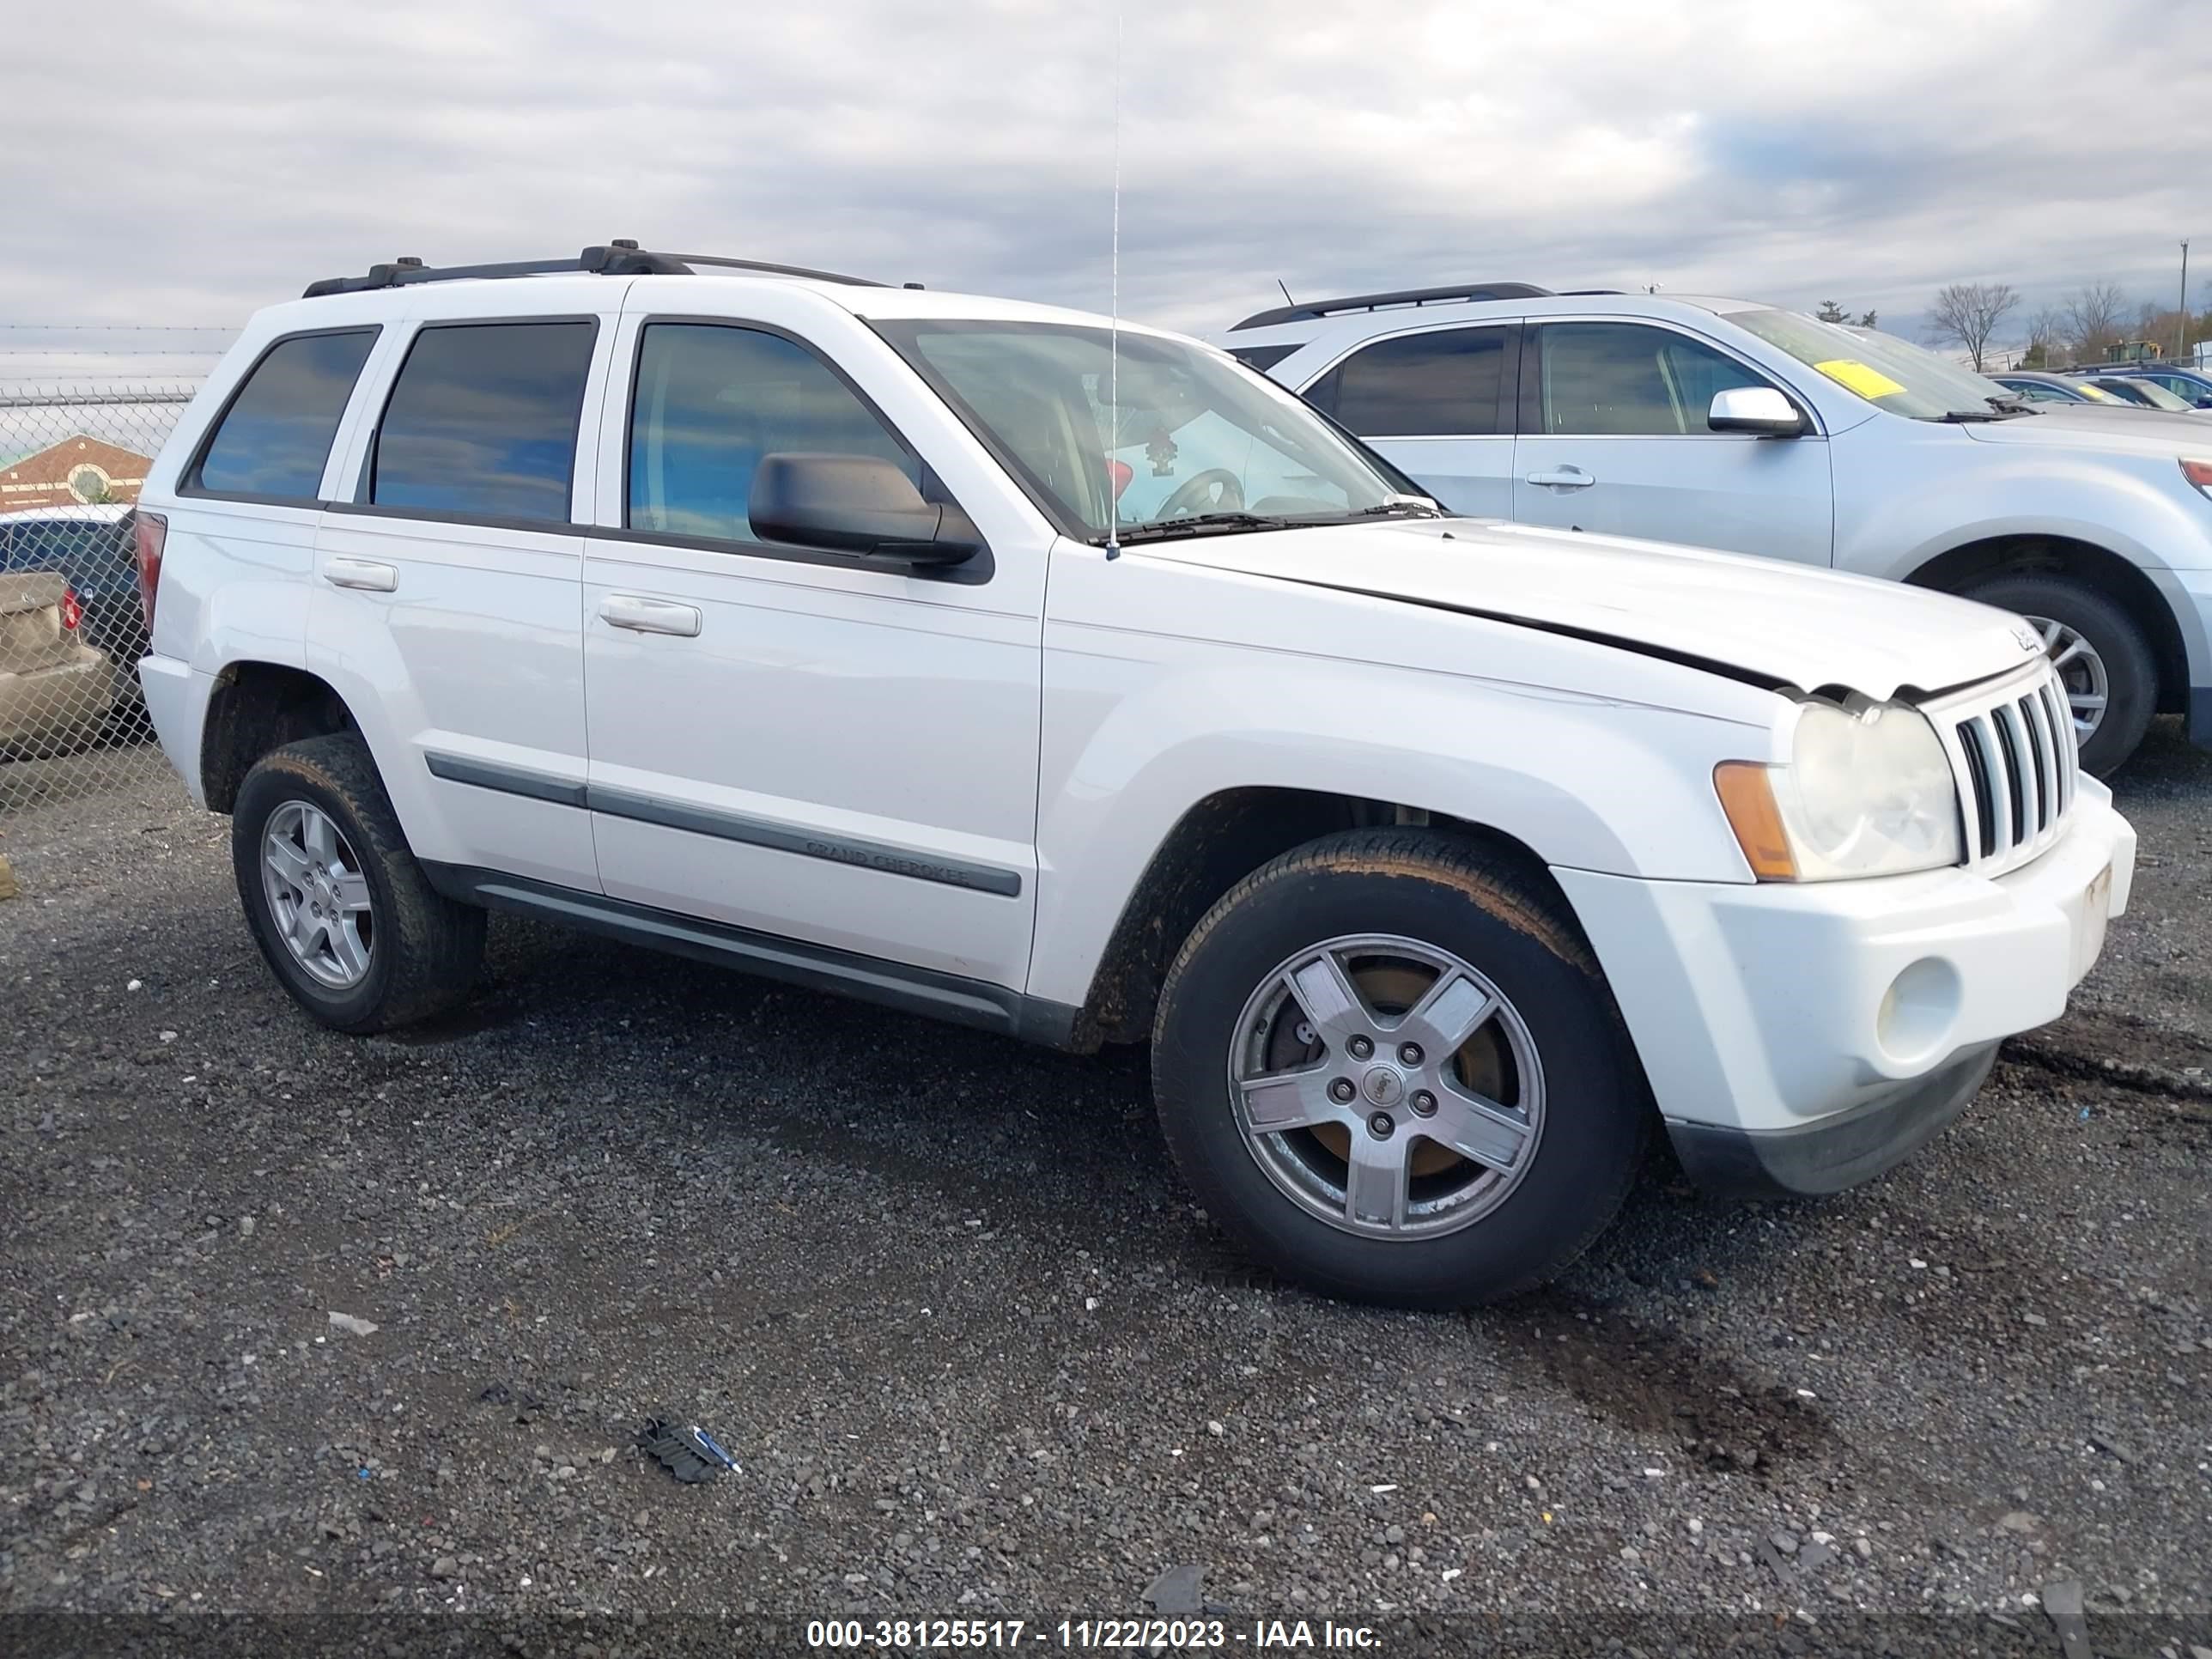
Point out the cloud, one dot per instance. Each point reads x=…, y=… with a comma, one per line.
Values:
x=212, y=158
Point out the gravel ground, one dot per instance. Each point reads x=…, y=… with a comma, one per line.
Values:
x=979, y=1357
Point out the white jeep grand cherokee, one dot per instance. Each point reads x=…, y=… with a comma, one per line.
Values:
x=822, y=628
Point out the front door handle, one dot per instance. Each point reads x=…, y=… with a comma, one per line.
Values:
x=1567, y=477
x=643, y=616
x=361, y=573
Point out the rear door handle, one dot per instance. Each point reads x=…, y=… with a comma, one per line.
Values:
x=643, y=616
x=361, y=573
x=1567, y=477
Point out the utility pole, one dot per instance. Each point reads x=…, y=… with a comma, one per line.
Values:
x=2181, y=329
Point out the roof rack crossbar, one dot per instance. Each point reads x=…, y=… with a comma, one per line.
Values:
x=1314, y=310
x=619, y=259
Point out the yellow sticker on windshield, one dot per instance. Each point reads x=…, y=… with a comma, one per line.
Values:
x=1866, y=381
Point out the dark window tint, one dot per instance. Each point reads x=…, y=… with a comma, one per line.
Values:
x=482, y=421
x=91, y=554
x=1262, y=358
x=711, y=402
x=1418, y=385
x=276, y=436
x=1624, y=380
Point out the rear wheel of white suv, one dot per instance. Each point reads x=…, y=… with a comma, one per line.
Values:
x=337, y=901
x=1388, y=1066
x=2101, y=656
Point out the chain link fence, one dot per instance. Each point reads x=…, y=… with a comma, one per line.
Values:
x=77, y=431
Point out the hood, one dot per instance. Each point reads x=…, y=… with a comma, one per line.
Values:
x=1773, y=623
x=2167, y=434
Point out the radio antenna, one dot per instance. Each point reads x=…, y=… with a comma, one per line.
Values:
x=1285, y=287
x=1114, y=320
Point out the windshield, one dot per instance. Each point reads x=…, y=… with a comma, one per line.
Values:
x=2140, y=391
x=1889, y=372
x=1201, y=442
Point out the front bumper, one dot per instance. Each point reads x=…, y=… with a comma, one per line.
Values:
x=1804, y=1036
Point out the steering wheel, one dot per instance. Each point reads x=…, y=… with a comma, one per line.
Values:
x=1216, y=489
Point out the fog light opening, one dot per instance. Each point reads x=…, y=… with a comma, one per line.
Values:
x=1918, y=1011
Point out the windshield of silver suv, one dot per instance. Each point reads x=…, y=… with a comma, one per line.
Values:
x=1891, y=374
x=1201, y=444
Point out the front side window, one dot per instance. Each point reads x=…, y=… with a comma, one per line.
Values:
x=482, y=422
x=1159, y=437
x=1437, y=384
x=1624, y=380
x=712, y=399
x=275, y=439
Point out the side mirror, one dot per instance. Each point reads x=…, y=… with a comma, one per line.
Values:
x=1756, y=408
x=856, y=504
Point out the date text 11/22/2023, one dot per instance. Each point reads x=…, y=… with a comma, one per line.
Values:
x=917, y=1635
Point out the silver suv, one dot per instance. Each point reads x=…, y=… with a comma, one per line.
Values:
x=1731, y=425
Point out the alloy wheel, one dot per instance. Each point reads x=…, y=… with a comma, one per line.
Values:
x=1387, y=1087
x=2080, y=671
x=318, y=895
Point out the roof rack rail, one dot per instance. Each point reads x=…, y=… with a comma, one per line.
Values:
x=1315, y=310
x=1579, y=293
x=620, y=258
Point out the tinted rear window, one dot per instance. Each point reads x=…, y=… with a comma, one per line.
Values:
x=482, y=421
x=1419, y=385
x=275, y=438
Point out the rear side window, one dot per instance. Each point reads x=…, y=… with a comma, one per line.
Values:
x=275, y=439
x=482, y=421
x=711, y=401
x=1419, y=385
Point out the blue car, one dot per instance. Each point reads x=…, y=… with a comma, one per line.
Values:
x=2193, y=385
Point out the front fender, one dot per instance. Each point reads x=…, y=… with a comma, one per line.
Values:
x=1582, y=781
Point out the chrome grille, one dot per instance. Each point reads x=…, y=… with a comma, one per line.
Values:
x=2013, y=752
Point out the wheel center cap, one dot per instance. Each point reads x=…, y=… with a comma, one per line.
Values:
x=1383, y=1087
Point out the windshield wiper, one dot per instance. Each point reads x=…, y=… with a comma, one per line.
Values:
x=1404, y=506
x=1198, y=523
x=1968, y=417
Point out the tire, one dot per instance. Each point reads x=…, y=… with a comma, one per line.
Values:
x=410, y=953
x=2118, y=656
x=1508, y=1229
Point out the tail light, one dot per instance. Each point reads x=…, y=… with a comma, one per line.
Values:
x=72, y=609
x=149, y=531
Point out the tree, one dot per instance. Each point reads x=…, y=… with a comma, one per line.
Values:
x=1868, y=321
x=2092, y=318
x=1969, y=313
x=2046, y=338
x=1830, y=312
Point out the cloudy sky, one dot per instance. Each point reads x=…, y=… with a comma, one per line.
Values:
x=194, y=160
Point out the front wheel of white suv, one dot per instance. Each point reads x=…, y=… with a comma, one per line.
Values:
x=2104, y=662
x=1388, y=1066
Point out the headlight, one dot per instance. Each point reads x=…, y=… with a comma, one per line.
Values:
x=2198, y=473
x=1866, y=792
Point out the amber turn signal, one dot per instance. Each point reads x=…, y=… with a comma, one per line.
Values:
x=1747, y=797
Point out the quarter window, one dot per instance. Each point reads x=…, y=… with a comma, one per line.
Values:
x=711, y=401
x=1419, y=385
x=1622, y=379
x=275, y=439
x=482, y=421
